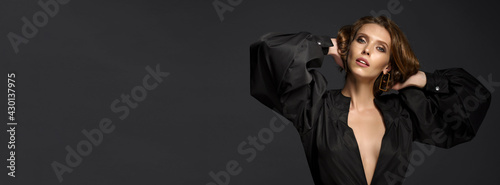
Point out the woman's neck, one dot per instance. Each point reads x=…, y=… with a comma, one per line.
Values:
x=360, y=91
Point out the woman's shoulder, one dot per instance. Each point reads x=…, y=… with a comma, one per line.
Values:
x=389, y=101
x=334, y=98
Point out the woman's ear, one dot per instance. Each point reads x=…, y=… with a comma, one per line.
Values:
x=387, y=69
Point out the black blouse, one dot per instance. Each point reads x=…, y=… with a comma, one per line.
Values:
x=446, y=112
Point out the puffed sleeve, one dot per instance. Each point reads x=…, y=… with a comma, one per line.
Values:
x=281, y=77
x=449, y=109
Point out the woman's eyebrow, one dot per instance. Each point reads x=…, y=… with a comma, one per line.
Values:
x=378, y=41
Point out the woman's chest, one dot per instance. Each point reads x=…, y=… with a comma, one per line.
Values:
x=369, y=129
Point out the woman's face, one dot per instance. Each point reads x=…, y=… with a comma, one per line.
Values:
x=369, y=52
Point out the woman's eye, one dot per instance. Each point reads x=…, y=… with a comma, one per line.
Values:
x=361, y=40
x=381, y=49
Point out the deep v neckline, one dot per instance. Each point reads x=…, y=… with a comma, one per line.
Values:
x=382, y=143
x=359, y=152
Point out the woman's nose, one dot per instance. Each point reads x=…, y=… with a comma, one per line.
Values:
x=365, y=51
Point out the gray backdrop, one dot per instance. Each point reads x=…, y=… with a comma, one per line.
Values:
x=78, y=61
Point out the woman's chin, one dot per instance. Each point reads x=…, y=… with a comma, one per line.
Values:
x=363, y=73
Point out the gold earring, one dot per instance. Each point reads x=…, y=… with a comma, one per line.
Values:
x=385, y=82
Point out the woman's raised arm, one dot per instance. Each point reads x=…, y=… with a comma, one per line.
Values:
x=448, y=109
x=281, y=76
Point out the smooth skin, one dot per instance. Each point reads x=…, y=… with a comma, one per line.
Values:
x=372, y=42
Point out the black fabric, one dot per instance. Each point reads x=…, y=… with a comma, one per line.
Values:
x=447, y=111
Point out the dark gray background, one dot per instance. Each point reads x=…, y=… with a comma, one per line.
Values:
x=92, y=51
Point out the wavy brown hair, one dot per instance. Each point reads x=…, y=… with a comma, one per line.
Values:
x=402, y=61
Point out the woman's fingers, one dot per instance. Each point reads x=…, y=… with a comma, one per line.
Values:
x=397, y=86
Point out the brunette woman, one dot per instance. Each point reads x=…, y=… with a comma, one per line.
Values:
x=358, y=135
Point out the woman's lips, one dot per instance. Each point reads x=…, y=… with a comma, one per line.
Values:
x=362, y=62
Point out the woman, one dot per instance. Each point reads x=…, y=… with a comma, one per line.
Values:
x=357, y=135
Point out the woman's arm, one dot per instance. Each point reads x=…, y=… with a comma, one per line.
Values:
x=282, y=78
x=334, y=52
x=418, y=80
x=447, y=107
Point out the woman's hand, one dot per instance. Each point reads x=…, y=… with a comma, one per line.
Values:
x=333, y=51
x=418, y=80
